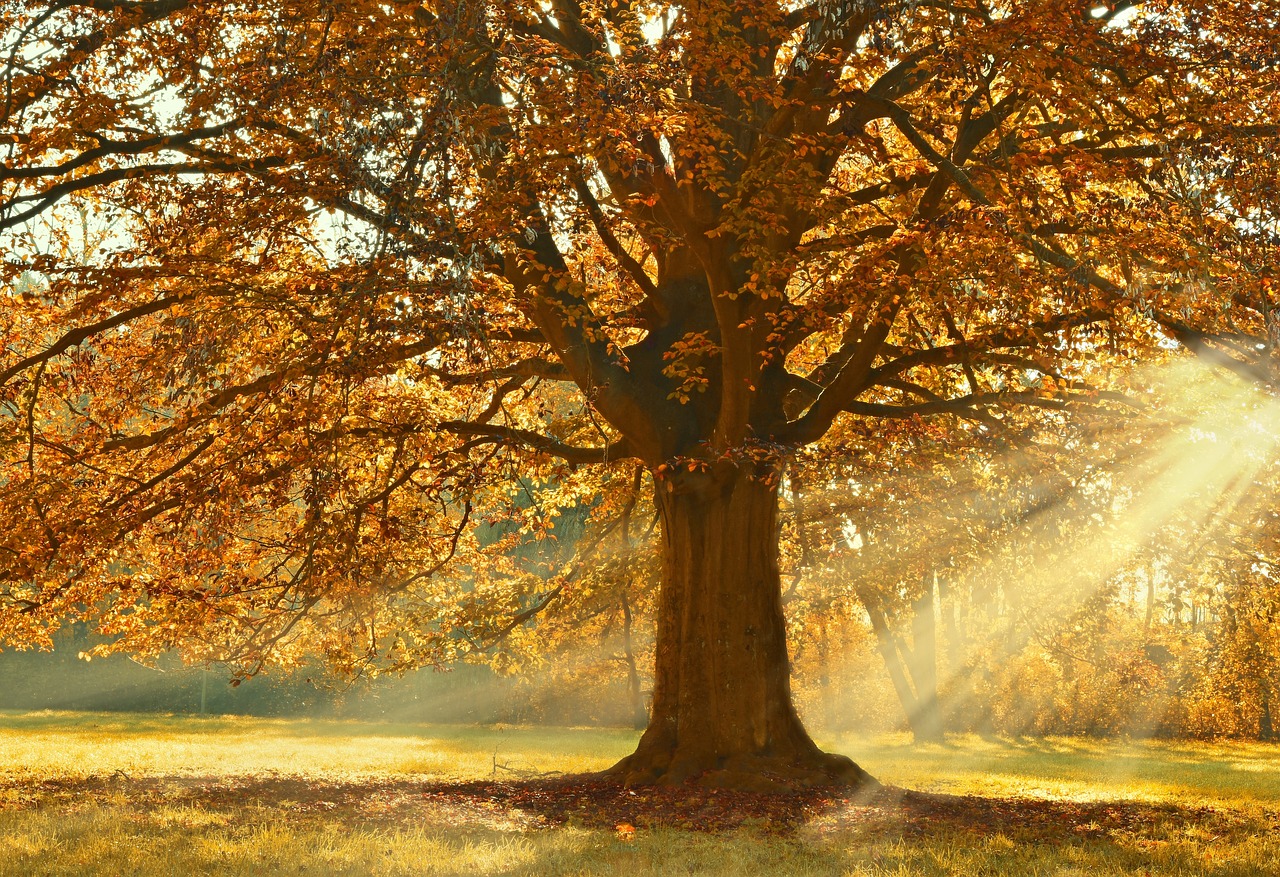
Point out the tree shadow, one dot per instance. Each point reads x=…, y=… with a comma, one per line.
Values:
x=590, y=801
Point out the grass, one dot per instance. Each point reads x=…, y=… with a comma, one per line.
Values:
x=80, y=745
x=160, y=795
x=1229, y=774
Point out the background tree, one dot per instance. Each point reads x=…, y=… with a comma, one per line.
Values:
x=362, y=253
x=1103, y=575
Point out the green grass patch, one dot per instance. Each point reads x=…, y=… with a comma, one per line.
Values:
x=159, y=795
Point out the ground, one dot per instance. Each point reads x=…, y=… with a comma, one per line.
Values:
x=151, y=795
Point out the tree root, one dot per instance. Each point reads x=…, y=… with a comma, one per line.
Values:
x=743, y=773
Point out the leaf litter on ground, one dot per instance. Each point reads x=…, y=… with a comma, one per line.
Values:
x=595, y=802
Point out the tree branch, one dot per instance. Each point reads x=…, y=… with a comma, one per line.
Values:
x=78, y=336
x=850, y=379
x=539, y=442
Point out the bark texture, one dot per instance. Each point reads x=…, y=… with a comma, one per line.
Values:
x=722, y=711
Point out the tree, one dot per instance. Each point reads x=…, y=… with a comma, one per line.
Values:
x=361, y=254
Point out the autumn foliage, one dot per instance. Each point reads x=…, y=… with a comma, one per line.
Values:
x=318, y=315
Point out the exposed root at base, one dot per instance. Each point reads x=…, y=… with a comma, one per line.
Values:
x=743, y=773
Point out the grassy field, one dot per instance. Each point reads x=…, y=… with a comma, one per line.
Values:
x=153, y=795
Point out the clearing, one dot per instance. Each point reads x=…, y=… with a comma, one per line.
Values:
x=90, y=793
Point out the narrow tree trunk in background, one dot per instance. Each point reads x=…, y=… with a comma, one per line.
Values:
x=824, y=672
x=893, y=664
x=912, y=670
x=722, y=709
x=924, y=665
x=1151, y=601
x=639, y=715
x=948, y=609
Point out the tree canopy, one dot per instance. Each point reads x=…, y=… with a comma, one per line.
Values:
x=300, y=294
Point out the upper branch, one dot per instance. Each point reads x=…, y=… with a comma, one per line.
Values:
x=540, y=442
x=835, y=396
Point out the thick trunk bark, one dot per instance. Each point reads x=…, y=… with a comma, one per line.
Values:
x=722, y=709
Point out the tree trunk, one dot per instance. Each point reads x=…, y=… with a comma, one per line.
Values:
x=1151, y=600
x=639, y=715
x=912, y=669
x=893, y=663
x=825, y=693
x=722, y=710
x=927, y=725
x=949, y=609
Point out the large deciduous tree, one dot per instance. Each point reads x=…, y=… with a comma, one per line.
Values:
x=312, y=286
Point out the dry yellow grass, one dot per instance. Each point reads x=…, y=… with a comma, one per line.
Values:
x=156, y=795
x=78, y=745
x=1230, y=774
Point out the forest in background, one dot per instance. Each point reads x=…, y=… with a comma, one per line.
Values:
x=1010, y=590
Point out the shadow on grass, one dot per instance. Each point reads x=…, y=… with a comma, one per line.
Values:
x=587, y=801
x=889, y=811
